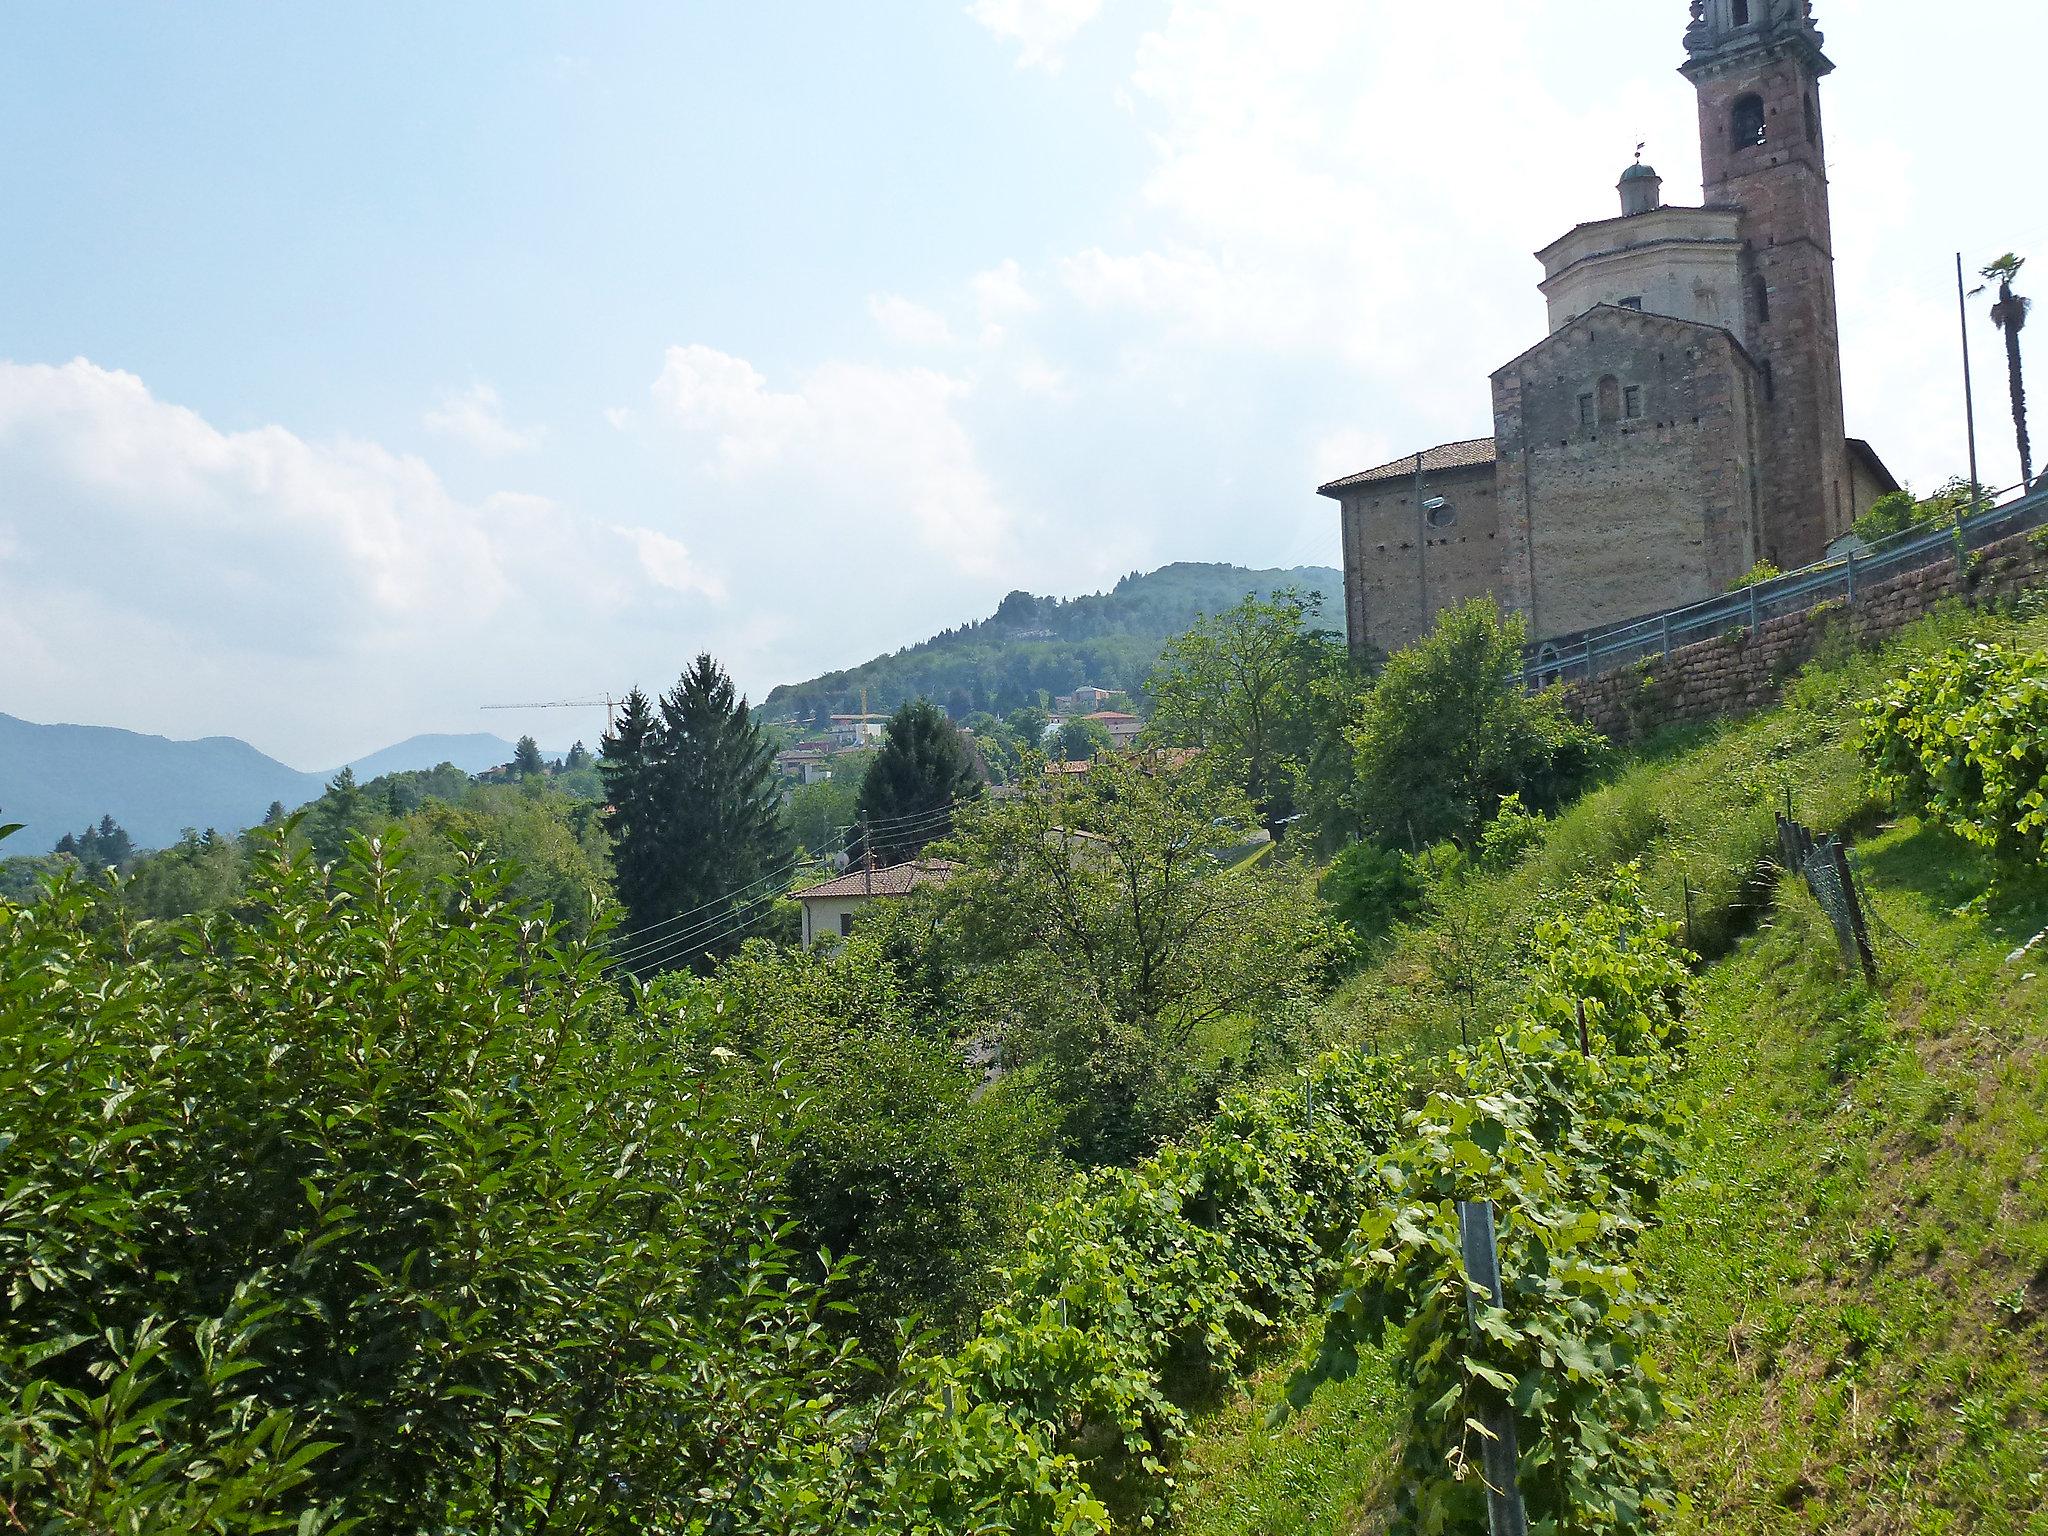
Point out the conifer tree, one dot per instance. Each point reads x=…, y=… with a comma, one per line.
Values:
x=697, y=830
x=578, y=758
x=527, y=763
x=629, y=757
x=922, y=770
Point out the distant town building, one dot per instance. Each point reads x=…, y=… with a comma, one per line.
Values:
x=1084, y=698
x=1683, y=418
x=1123, y=729
x=859, y=730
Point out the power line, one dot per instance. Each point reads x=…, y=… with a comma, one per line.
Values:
x=641, y=943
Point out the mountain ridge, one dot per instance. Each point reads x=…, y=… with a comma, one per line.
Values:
x=1034, y=646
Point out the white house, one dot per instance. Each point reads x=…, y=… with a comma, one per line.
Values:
x=830, y=907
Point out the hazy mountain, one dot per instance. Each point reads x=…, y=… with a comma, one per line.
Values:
x=472, y=753
x=1051, y=645
x=59, y=778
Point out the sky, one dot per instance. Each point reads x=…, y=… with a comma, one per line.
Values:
x=361, y=366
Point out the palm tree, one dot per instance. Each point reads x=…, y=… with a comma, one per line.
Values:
x=2009, y=314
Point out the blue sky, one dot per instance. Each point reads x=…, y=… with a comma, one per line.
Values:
x=366, y=364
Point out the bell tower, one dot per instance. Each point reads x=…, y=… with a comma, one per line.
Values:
x=1757, y=65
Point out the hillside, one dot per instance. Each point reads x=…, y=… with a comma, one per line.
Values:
x=59, y=778
x=1855, y=1248
x=1048, y=645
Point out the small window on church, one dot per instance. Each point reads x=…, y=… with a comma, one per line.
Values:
x=1760, y=299
x=1632, y=402
x=1742, y=13
x=1586, y=416
x=1633, y=302
x=1749, y=127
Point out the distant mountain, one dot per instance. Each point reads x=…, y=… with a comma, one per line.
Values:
x=472, y=752
x=58, y=778
x=1032, y=645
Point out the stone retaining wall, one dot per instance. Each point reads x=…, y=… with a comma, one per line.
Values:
x=1742, y=671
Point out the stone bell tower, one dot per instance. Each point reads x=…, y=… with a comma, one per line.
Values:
x=1757, y=65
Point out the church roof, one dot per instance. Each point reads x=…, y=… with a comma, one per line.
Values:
x=1470, y=453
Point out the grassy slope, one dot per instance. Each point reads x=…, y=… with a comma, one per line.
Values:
x=1856, y=1255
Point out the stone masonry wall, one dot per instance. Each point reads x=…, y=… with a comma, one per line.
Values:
x=1737, y=673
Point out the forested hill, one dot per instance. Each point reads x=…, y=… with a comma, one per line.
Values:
x=1050, y=645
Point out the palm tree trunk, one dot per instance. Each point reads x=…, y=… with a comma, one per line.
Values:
x=2019, y=404
x=2011, y=315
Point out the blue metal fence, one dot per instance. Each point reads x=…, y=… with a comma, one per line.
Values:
x=1593, y=652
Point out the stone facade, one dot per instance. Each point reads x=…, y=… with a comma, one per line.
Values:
x=1682, y=420
x=1628, y=467
x=1405, y=557
x=1744, y=671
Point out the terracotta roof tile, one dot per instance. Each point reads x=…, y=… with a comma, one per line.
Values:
x=1469, y=453
x=896, y=880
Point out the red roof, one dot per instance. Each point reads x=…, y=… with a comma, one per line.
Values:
x=896, y=880
x=1115, y=716
x=1470, y=453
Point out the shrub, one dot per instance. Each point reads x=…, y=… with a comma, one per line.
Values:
x=1965, y=737
x=1447, y=731
x=372, y=1203
x=1371, y=888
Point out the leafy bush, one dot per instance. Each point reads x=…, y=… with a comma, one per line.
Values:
x=1755, y=576
x=1571, y=1147
x=1965, y=737
x=372, y=1204
x=1447, y=732
x=1371, y=888
x=1514, y=833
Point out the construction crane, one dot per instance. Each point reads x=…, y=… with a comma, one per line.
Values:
x=607, y=703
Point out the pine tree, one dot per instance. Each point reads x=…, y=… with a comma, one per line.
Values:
x=696, y=822
x=578, y=758
x=527, y=763
x=907, y=797
x=275, y=814
x=629, y=759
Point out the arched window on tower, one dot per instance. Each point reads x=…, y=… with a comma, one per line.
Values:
x=1610, y=399
x=1760, y=299
x=1748, y=121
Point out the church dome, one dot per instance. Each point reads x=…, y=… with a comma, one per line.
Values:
x=1642, y=190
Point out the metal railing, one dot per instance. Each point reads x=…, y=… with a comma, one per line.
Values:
x=1594, y=652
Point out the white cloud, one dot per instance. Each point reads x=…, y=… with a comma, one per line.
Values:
x=1041, y=29
x=668, y=564
x=476, y=416
x=908, y=324
x=184, y=578
x=886, y=441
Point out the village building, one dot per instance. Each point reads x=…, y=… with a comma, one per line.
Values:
x=1682, y=420
x=831, y=906
x=1123, y=729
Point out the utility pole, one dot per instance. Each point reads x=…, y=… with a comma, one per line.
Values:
x=1969, y=396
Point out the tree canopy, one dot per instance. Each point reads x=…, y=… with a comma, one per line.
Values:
x=695, y=818
x=922, y=771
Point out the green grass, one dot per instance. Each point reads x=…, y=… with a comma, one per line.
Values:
x=1858, y=1252
x=1315, y=1475
x=1858, y=1256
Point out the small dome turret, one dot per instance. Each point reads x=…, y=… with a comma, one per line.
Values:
x=1642, y=190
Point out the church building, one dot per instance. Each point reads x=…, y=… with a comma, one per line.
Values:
x=1683, y=418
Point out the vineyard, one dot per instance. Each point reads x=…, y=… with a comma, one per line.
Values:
x=1846, y=1258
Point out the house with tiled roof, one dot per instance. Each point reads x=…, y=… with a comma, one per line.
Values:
x=830, y=906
